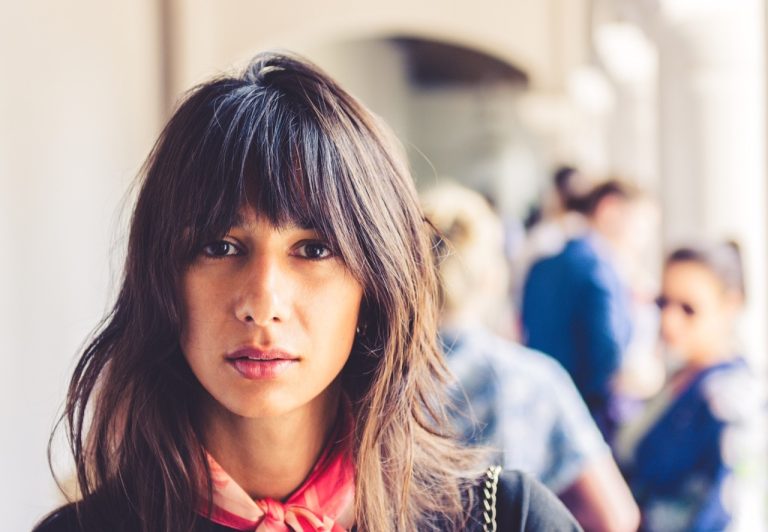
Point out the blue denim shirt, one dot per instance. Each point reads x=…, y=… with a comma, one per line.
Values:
x=523, y=405
x=577, y=309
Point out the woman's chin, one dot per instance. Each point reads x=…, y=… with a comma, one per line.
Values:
x=263, y=404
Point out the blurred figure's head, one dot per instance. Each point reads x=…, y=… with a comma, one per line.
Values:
x=612, y=209
x=473, y=269
x=566, y=197
x=702, y=294
x=571, y=188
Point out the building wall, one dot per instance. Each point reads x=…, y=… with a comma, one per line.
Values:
x=542, y=38
x=79, y=109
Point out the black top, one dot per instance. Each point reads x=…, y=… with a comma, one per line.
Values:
x=522, y=504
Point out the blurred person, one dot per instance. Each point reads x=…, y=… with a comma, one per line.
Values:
x=559, y=218
x=517, y=402
x=550, y=224
x=577, y=306
x=679, y=455
x=271, y=362
x=642, y=370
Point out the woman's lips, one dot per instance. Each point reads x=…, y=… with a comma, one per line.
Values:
x=261, y=369
x=257, y=364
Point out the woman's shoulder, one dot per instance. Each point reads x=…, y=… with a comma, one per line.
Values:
x=66, y=519
x=522, y=503
x=63, y=519
x=97, y=513
x=732, y=392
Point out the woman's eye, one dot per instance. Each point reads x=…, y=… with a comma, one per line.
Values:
x=222, y=248
x=314, y=250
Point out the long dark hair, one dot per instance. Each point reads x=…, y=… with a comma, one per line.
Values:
x=286, y=139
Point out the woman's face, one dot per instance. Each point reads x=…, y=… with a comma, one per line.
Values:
x=269, y=317
x=697, y=313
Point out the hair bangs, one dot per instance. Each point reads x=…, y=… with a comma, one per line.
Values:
x=263, y=148
x=300, y=170
x=277, y=172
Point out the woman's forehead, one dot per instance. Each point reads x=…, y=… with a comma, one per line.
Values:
x=692, y=279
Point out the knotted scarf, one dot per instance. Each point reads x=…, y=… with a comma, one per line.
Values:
x=327, y=494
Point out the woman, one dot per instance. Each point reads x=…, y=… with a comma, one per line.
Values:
x=677, y=456
x=271, y=361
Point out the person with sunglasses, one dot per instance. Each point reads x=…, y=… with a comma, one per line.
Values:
x=680, y=454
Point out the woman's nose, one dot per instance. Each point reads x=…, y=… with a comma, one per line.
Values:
x=265, y=293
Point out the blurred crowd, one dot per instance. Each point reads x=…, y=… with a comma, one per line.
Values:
x=616, y=381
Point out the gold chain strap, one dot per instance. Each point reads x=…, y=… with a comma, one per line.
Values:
x=490, y=483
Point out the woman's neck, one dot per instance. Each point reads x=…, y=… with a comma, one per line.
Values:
x=694, y=366
x=270, y=457
x=714, y=354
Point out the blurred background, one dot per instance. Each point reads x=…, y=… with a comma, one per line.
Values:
x=667, y=94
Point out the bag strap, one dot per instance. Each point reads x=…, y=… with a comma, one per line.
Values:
x=490, y=485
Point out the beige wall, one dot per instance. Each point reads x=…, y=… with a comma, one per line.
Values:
x=543, y=38
x=79, y=109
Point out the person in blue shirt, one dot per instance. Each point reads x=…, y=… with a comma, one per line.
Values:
x=680, y=455
x=576, y=305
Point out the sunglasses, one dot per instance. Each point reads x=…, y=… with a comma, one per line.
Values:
x=663, y=302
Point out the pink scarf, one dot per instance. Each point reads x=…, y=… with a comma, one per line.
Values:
x=326, y=496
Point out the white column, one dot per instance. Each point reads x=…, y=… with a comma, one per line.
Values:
x=713, y=138
x=713, y=168
x=79, y=110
